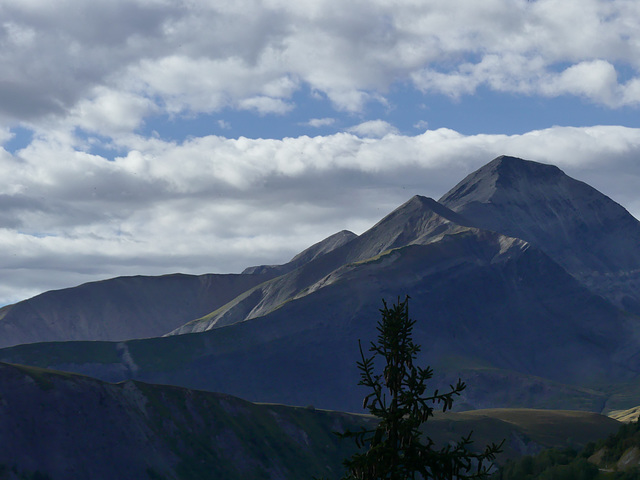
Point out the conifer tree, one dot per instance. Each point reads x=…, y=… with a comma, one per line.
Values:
x=396, y=449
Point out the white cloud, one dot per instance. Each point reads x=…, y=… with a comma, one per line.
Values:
x=218, y=204
x=373, y=129
x=213, y=204
x=320, y=122
x=421, y=125
x=110, y=112
x=594, y=79
x=264, y=105
x=5, y=135
x=195, y=57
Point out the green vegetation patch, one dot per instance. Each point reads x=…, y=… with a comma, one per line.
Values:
x=606, y=459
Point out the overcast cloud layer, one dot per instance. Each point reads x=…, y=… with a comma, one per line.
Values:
x=89, y=190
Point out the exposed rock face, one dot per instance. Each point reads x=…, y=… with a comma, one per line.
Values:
x=586, y=232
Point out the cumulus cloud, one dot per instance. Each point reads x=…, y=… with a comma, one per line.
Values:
x=81, y=74
x=213, y=204
x=264, y=105
x=71, y=58
x=320, y=122
x=373, y=129
x=421, y=125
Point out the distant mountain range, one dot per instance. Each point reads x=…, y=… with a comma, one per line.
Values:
x=523, y=281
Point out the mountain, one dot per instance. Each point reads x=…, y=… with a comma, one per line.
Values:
x=524, y=320
x=489, y=308
x=325, y=246
x=136, y=307
x=419, y=221
x=69, y=426
x=120, y=308
x=586, y=232
x=60, y=426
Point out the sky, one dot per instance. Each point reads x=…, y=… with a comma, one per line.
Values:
x=159, y=136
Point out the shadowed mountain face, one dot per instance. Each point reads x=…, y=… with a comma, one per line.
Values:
x=419, y=221
x=586, y=232
x=74, y=427
x=136, y=307
x=120, y=308
x=62, y=426
x=481, y=300
x=516, y=280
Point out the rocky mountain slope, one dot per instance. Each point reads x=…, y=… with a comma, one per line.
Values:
x=61, y=426
x=523, y=321
x=586, y=232
x=421, y=220
x=507, y=292
x=120, y=308
x=136, y=307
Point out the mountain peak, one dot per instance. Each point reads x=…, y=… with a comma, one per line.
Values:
x=325, y=246
x=415, y=221
x=314, y=251
x=512, y=168
x=502, y=175
x=589, y=234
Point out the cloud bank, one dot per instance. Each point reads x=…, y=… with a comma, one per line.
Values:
x=90, y=190
x=212, y=204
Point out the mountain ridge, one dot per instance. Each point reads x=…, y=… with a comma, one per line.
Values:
x=314, y=251
x=305, y=352
x=492, y=305
x=417, y=221
x=112, y=309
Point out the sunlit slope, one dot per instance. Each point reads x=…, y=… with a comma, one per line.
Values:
x=481, y=301
x=419, y=221
x=124, y=308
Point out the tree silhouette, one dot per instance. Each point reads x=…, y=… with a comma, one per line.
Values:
x=396, y=449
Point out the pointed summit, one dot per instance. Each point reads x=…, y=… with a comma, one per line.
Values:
x=413, y=222
x=323, y=247
x=501, y=179
x=589, y=234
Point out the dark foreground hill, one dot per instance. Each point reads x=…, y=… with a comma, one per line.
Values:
x=62, y=426
x=526, y=322
x=617, y=456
